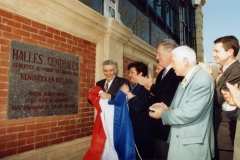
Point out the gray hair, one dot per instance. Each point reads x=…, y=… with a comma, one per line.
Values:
x=185, y=52
x=168, y=44
x=110, y=62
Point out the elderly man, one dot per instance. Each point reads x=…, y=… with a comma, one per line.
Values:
x=191, y=111
x=162, y=91
x=112, y=83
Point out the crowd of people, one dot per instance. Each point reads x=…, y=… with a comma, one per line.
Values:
x=182, y=113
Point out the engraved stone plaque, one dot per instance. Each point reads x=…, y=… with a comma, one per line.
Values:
x=42, y=82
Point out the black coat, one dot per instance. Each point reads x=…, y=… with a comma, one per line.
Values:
x=163, y=91
x=139, y=114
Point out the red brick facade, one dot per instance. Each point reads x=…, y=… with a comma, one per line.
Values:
x=26, y=134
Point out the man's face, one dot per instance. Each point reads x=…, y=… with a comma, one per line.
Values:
x=177, y=65
x=220, y=55
x=109, y=72
x=162, y=56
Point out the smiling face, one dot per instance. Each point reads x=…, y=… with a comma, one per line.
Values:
x=133, y=75
x=109, y=72
x=220, y=55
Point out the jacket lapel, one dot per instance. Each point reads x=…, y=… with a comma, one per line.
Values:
x=181, y=90
x=114, y=85
x=225, y=74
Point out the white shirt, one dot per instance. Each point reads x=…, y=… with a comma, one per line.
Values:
x=110, y=82
x=186, y=78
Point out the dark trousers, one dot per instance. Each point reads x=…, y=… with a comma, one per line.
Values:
x=160, y=149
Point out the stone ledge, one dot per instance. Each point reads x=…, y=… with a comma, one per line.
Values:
x=72, y=150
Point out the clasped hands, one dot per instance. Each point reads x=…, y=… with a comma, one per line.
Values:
x=104, y=95
x=232, y=97
x=157, y=109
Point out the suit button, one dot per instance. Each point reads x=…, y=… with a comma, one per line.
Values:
x=177, y=136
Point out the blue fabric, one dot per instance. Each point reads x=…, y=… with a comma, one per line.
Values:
x=133, y=86
x=122, y=129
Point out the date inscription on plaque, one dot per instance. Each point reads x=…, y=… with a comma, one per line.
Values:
x=42, y=82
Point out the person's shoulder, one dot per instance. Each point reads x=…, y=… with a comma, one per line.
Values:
x=121, y=78
x=174, y=75
x=101, y=81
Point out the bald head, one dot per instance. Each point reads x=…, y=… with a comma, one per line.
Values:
x=184, y=58
x=185, y=52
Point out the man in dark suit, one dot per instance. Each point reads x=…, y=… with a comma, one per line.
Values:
x=112, y=83
x=225, y=52
x=233, y=98
x=162, y=91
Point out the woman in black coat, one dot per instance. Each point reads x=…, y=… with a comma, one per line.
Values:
x=138, y=98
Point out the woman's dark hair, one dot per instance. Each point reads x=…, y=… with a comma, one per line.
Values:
x=140, y=67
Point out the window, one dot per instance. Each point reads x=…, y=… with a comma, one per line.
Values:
x=97, y=5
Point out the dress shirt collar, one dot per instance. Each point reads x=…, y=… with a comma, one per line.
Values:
x=225, y=67
x=110, y=82
x=186, y=78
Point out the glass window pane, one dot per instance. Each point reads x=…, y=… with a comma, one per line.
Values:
x=159, y=8
x=128, y=14
x=97, y=5
x=151, y=3
x=157, y=35
x=142, y=26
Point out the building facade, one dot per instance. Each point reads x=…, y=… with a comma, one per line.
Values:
x=93, y=31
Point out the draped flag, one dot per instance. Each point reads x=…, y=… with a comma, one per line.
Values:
x=112, y=136
x=98, y=135
x=102, y=146
x=123, y=131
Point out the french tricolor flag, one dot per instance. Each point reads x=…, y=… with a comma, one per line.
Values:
x=112, y=136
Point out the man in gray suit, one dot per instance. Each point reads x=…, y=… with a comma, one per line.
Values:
x=191, y=111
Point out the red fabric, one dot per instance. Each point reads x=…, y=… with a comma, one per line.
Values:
x=98, y=135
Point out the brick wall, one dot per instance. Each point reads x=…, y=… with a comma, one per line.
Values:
x=26, y=134
x=126, y=62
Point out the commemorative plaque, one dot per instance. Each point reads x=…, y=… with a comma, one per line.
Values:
x=42, y=82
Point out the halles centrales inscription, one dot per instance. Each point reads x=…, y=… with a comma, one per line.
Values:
x=42, y=82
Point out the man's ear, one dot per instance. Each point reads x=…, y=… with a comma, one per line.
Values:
x=185, y=61
x=231, y=52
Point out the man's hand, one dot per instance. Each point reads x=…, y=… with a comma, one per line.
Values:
x=207, y=69
x=157, y=109
x=105, y=95
x=146, y=82
x=232, y=97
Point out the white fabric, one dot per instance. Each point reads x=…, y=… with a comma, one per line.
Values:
x=227, y=107
x=109, y=83
x=107, y=117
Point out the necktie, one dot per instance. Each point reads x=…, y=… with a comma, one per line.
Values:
x=164, y=73
x=106, y=87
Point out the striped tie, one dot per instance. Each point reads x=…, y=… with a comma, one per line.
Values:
x=106, y=87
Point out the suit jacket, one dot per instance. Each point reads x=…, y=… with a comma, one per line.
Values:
x=225, y=128
x=115, y=86
x=233, y=115
x=191, y=119
x=139, y=114
x=163, y=91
